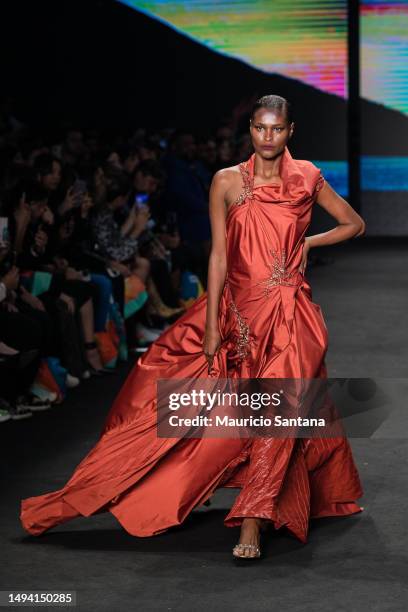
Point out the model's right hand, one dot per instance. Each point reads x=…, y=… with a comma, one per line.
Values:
x=211, y=343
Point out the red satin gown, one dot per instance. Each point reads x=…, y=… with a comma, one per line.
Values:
x=270, y=328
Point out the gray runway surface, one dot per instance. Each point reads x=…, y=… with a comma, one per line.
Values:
x=355, y=563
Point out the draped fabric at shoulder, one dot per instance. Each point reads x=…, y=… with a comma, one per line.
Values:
x=318, y=180
x=312, y=178
x=299, y=180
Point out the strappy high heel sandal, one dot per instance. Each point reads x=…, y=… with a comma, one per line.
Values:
x=239, y=550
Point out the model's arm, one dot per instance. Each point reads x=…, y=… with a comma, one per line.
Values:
x=217, y=265
x=350, y=224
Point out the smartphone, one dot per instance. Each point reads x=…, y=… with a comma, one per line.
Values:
x=141, y=200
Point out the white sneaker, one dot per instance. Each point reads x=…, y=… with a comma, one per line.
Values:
x=138, y=349
x=52, y=396
x=19, y=412
x=33, y=403
x=7, y=350
x=4, y=415
x=44, y=395
x=71, y=381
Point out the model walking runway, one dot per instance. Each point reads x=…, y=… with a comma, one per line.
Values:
x=269, y=327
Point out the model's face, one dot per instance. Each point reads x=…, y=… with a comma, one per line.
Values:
x=270, y=132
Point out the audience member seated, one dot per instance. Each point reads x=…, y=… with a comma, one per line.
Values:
x=88, y=215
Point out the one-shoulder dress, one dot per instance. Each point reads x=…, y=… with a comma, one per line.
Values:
x=269, y=327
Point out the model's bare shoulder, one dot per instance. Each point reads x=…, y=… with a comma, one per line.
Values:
x=230, y=181
x=227, y=176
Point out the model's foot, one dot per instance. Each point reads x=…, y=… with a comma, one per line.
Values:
x=248, y=545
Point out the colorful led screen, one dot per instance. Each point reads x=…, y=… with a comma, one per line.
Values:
x=384, y=52
x=300, y=39
x=384, y=81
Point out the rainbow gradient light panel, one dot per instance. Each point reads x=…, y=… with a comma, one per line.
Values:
x=384, y=89
x=302, y=39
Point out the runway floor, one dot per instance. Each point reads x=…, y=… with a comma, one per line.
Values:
x=355, y=563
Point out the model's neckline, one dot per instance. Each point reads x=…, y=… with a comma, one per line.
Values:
x=252, y=172
x=267, y=184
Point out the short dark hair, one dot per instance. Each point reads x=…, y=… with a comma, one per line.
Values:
x=276, y=103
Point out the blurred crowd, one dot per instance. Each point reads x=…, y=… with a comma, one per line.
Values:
x=103, y=238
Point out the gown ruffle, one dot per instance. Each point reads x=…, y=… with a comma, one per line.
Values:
x=270, y=328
